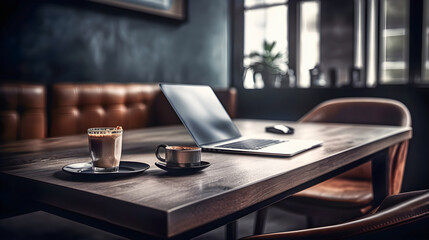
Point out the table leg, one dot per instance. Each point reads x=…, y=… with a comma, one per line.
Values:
x=380, y=176
x=261, y=218
x=231, y=230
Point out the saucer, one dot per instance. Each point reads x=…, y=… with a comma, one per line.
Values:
x=190, y=169
x=125, y=168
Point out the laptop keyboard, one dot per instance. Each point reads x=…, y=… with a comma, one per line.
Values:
x=251, y=144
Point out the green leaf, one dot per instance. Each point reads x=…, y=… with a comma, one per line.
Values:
x=266, y=45
x=272, y=46
x=254, y=54
x=277, y=56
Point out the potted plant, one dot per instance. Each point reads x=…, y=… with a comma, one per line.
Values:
x=267, y=64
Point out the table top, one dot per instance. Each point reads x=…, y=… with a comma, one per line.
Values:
x=163, y=205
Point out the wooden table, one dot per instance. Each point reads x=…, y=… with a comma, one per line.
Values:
x=158, y=205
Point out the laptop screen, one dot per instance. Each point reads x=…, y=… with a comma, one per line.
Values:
x=201, y=112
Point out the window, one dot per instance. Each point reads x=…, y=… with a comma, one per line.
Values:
x=394, y=29
x=266, y=30
x=309, y=40
x=264, y=21
x=391, y=43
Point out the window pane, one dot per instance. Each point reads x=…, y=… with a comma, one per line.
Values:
x=252, y=3
x=264, y=24
x=359, y=33
x=396, y=13
x=394, y=42
x=309, y=38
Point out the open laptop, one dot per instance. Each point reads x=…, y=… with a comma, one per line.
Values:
x=213, y=130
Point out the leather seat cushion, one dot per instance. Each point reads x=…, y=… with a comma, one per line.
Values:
x=337, y=192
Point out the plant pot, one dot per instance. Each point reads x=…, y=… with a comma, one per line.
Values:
x=269, y=79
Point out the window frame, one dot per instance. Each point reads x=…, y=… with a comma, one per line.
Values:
x=415, y=49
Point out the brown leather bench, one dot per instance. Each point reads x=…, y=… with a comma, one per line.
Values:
x=73, y=108
x=22, y=112
x=77, y=107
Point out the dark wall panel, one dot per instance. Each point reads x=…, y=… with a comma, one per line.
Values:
x=337, y=39
x=81, y=41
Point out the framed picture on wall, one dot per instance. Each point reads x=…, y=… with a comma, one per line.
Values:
x=174, y=9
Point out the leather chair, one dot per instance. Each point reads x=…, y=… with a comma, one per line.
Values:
x=77, y=107
x=350, y=194
x=402, y=216
x=22, y=112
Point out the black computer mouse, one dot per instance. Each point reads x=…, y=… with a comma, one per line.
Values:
x=280, y=129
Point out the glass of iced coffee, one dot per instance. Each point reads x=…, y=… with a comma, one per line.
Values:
x=105, y=147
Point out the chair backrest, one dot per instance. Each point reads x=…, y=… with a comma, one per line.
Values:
x=377, y=111
x=22, y=112
x=396, y=218
x=77, y=107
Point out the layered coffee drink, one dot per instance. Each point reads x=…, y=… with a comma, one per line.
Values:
x=105, y=147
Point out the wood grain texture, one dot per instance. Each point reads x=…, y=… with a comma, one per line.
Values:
x=163, y=205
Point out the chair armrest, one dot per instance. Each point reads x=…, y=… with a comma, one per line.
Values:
x=398, y=198
x=412, y=209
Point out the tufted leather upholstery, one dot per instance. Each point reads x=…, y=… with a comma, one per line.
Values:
x=402, y=216
x=77, y=107
x=22, y=112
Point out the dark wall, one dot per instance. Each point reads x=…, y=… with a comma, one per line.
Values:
x=81, y=41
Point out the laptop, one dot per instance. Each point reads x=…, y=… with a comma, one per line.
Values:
x=213, y=130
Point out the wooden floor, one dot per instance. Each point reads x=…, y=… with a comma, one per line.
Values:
x=41, y=225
